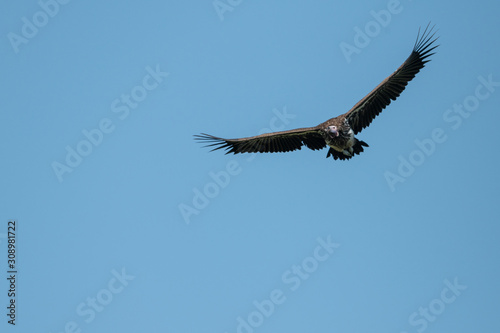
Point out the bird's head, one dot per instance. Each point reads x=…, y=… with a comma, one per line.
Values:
x=332, y=130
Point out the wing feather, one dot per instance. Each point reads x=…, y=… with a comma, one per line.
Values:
x=267, y=143
x=363, y=113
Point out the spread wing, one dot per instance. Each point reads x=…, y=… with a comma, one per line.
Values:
x=363, y=113
x=268, y=143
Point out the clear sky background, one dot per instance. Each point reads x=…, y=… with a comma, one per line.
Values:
x=126, y=224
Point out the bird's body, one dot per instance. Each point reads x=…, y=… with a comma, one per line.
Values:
x=337, y=133
x=339, y=136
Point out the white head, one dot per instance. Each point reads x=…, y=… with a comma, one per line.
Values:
x=332, y=130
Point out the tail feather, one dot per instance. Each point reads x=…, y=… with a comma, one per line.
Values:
x=356, y=150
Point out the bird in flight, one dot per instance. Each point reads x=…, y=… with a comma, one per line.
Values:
x=337, y=133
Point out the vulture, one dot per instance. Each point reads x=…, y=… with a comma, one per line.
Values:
x=337, y=133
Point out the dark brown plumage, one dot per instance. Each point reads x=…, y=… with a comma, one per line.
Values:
x=337, y=133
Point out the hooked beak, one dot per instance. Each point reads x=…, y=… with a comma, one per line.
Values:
x=333, y=131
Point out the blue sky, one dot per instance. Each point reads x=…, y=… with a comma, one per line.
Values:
x=125, y=223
